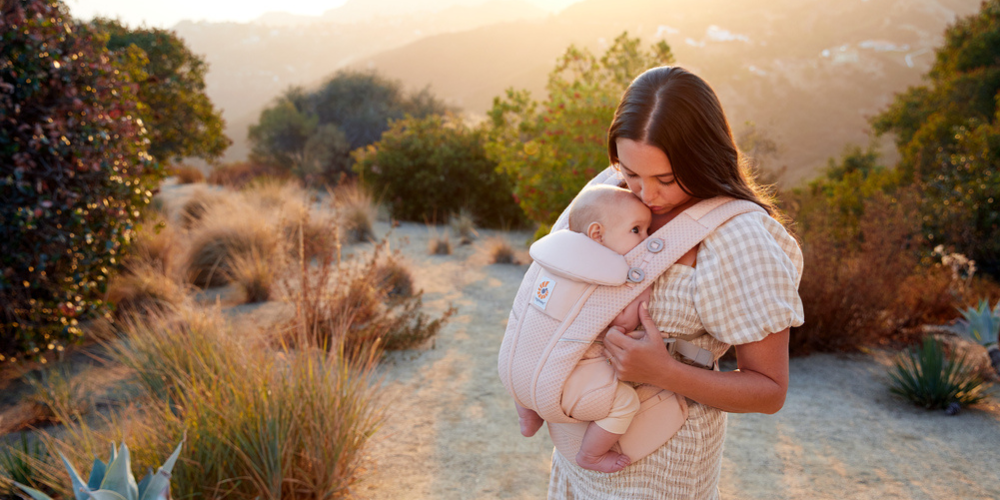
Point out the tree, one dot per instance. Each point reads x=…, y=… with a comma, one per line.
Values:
x=429, y=168
x=551, y=149
x=181, y=120
x=351, y=106
x=948, y=135
x=74, y=173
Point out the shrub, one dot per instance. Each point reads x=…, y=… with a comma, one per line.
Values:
x=394, y=278
x=238, y=174
x=850, y=285
x=56, y=392
x=464, y=226
x=500, y=251
x=929, y=378
x=25, y=462
x=188, y=175
x=312, y=133
x=197, y=205
x=144, y=287
x=551, y=149
x=74, y=173
x=154, y=244
x=259, y=422
x=357, y=211
x=339, y=303
x=439, y=245
x=254, y=274
x=428, y=167
x=214, y=245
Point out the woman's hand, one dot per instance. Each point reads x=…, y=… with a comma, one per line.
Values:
x=639, y=356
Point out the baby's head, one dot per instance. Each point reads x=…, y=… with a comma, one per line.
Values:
x=611, y=216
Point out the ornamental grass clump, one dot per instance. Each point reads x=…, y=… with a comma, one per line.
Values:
x=357, y=304
x=58, y=395
x=500, y=251
x=187, y=174
x=144, y=286
x=464, y=227
x=929, y=377
x=26, y=462
x=357, y=210
x=261, y=421
x=224, y=237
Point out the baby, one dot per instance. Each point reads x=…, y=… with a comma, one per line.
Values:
x=615, y=218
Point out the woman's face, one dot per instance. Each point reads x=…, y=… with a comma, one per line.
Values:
x=648, y=173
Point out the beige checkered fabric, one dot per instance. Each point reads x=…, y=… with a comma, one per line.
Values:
x=687, y=467
x=744, y=286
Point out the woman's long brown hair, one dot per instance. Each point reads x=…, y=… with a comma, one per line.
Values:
x=678, y=112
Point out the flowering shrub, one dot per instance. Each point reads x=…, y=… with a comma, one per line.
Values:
x=74, y=173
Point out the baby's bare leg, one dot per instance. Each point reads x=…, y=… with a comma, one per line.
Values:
x=595, y=451
x=530, y=421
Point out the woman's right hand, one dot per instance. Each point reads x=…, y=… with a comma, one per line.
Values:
x=639, y=356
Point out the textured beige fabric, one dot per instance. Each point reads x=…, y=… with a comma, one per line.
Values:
x=744, y=286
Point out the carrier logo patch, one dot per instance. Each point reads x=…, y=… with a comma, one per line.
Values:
x=542, y=292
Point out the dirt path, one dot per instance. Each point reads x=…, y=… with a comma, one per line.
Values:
x=453, y=432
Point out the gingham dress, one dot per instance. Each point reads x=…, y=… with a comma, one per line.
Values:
x=744, y=286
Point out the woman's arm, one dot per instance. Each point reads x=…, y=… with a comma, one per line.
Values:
x=758, y=386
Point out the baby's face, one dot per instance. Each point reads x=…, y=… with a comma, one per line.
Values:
x=627, y=225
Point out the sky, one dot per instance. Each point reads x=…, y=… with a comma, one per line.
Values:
x=165, y=14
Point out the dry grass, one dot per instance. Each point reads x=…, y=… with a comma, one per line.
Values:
x=500, y=251
x=464, y=227
x=394, y=278
x=198, y=205
x=357, y=210
x=254, y=274
x=339, y=303
x=187, y=174
x=260, y=423
x=142, y=287
x=439, y=244
x=154, y=243
x=58, y=395
x=222, y=238
x=239, y=174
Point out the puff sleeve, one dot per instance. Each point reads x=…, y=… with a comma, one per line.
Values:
x=747, y=280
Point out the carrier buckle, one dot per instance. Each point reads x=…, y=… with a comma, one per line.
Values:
x=654, y=245
x=636, y=275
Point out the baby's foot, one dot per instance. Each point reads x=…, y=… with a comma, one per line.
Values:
x=530, y=423
x=608, y=462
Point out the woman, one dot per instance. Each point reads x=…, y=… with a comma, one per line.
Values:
x=671, y=143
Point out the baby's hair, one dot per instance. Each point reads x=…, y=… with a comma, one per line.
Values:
x=593, y=203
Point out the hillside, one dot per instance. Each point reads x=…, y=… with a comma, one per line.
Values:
x=806, y=71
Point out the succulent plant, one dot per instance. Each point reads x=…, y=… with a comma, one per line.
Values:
x=982, y=325
x=114, y=480
x=930, y=378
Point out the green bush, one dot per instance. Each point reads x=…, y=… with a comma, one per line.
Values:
x=948, y=137
x=428, y=168
x=311, y=134
x=74, y=173
x=928, y=377
x=551, y=149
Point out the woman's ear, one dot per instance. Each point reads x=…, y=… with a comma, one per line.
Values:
x=596, y=232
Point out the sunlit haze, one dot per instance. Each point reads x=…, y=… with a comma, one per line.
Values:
x=167, y=14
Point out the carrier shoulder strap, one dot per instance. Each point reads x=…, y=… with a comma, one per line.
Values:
x=645, y=263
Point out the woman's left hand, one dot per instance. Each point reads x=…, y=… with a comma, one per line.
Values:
x=641, y=358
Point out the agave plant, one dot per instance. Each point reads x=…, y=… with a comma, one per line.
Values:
x=929, y=378
x=982, y=325
x=114, y=480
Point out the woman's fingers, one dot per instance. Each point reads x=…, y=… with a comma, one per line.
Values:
x=647, y=321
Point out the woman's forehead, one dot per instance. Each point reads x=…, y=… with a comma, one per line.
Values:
x=642, y=159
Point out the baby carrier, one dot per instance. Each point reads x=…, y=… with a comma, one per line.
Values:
x=567, y=299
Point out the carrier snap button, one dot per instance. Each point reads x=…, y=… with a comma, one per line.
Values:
x=635, y=275
x=654, y=245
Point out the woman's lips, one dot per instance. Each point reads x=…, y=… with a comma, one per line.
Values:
x=654, y=208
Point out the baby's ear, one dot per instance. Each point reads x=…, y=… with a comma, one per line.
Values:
x=596, y=232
